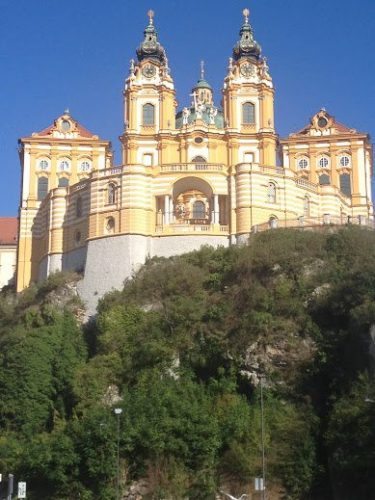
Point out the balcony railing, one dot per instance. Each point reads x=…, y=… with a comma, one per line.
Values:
x=310, y=222
x=177, y=228
x=192, y=167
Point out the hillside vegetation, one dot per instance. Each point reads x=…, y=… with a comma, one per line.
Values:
x=182, y=349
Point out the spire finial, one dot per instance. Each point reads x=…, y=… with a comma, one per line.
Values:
x=66, y=111
x=246, y=14
x=151, y=15
x=202, y=70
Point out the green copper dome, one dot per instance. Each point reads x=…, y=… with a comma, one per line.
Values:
x=202, y=84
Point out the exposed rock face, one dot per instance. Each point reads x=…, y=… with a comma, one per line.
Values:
x=281, y=359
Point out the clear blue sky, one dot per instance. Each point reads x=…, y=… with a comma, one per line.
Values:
x=57, y=54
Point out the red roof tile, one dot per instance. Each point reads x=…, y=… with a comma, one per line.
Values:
x=8, y=230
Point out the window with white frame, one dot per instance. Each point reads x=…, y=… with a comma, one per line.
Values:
x=248, y=113
x=43, y=164
x=111, y=195
x=148, y=114
x=344, y=161
x=271, y=192
x=85, y=166
x=42, y=188
x=323, y=162
x=64, y=165
x=303, y=163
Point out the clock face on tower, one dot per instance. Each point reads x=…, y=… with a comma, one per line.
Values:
x=149, y=70
x=247, y=70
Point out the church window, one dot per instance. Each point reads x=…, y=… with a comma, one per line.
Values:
x=43, y=164
x=303, y=163
x=345, y=185
x=85, y=166
x=148, y=114
x=199, y=210
x=344, y=161
x=248, y=113
x=323, y=162
x=64, y=166
x=271, y=192
x=79, y=207
x=324, y=180
x=42, y=188
x=199, y=159
x=63, y=182
x=111, y=194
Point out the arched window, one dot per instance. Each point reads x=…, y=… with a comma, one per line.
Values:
x=111, y=194
x=43, y=164
x=148, y=114
x=323, y=162
x=63, y=182
x=199, y=159
x=63, y=166
x=248, y=113
x=79, y=207
x=344, y=161
x=110, y=225
x=271, y=192
x=306, y=206
x=345, y=184
x=303, y=163
x=273, y=222
x=42, y=188
x=85, y=166
x=199, y=210
x=324, y=180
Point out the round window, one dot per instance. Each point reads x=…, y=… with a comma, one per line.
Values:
x=198, y=140
x=43, y=164
x=65, y=125
x=322, y=122
x=64, y=165
x=344, y=161
x=303, y=163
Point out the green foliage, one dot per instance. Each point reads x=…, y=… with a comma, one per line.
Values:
x=180, y=349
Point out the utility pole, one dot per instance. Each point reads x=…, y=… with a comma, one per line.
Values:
x=118, y=412
x=262, y=438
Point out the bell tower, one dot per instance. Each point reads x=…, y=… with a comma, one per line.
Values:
x=248, y=100
x=149, y=101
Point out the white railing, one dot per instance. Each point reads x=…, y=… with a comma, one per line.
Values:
x=192, y=167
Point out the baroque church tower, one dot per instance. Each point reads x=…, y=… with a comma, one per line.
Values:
x=201, y=175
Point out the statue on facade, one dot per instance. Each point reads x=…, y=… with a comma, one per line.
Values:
x=264, y=69
x=185, y=115
x=212, y=114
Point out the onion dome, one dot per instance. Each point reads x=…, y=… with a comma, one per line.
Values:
x=150, y=48
x=202, y=89
x=246, y=46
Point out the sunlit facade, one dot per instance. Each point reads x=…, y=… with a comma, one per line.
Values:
x=205, y=174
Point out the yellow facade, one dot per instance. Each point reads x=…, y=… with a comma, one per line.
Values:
x=200, y=175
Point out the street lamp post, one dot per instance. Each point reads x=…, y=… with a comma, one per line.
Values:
x=262, y=438
x=118, y=412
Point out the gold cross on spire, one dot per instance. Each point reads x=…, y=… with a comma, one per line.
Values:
x=246, y=14
x=202, y=70
x=151, y=15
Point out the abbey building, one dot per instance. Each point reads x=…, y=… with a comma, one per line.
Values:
x=209, y=173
